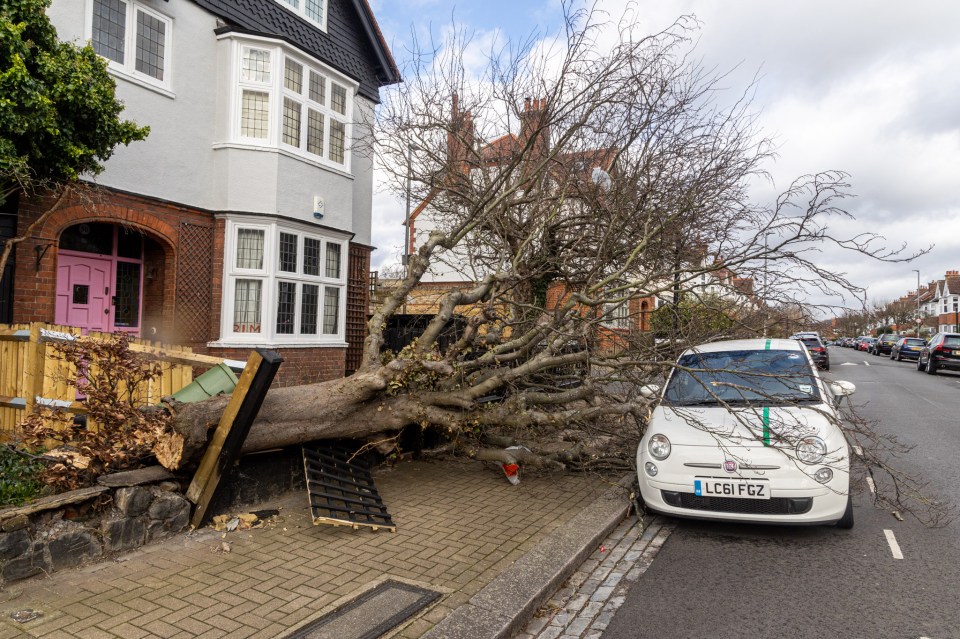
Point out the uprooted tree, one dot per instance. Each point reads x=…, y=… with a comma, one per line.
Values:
x=568, y=182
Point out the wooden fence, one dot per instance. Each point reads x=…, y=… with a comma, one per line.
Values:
x=32, y=373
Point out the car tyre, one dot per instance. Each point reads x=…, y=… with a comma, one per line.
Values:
x=899, y=357
x=920, y=366
x=846, y=522
x=931, y=366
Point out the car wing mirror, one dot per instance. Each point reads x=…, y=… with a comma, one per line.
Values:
x=650, y=391
x=841, y=389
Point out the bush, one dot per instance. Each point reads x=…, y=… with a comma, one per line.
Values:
x=19, y=477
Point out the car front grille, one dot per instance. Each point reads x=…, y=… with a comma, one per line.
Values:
x=772, y=506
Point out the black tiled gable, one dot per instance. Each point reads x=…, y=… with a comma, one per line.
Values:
x=344, y=47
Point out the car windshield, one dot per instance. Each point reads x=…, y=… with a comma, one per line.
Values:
x=742, y=377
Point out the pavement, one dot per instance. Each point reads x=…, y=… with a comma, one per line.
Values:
x=494, y=552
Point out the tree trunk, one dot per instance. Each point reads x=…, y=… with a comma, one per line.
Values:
x=342, y=408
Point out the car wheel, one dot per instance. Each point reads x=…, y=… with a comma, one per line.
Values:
x=827, y=367
x=899, y=357
x=931, y=366
x=846, y=522
x=920, y=365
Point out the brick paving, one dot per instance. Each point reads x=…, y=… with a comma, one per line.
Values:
x=459, y=525
x=585, y=605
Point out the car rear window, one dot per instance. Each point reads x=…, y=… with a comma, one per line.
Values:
x=913, y=341
x=812, y=342
x=952, y=341
x=771, y=377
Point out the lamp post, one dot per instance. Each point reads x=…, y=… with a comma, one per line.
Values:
x=919, y=318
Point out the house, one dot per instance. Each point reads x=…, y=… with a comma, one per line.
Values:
x=244, y=219
x=469, y=262
x=947, y=308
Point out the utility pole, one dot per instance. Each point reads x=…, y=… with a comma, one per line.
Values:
x=919, y=318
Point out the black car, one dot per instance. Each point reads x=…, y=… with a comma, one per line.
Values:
x=942, y=351
x=884, y=344
x=907, y=348
x=818, y=352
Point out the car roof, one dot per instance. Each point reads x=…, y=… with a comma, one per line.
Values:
x=747, y=345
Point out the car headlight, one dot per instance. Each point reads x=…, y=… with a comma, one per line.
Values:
x=811, y=450
x=823, y=475
x=659, y=447
x=651, y=469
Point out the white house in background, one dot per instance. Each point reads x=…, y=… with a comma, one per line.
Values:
x=245, y=218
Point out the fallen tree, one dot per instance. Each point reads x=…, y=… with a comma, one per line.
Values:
x=571, y=189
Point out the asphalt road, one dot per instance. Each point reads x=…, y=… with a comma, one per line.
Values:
x=724, y=580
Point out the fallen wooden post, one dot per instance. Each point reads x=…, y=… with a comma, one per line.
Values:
x=224, y=449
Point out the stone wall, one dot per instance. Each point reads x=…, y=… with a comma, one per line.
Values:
x=125, y=512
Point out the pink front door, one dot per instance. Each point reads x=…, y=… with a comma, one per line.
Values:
x=84, y=285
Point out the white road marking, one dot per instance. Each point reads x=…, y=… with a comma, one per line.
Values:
x=866, y=363
x=873, y=486
x=848, y=364
x=894, y=546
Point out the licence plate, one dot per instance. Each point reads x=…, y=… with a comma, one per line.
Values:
x=727, y=488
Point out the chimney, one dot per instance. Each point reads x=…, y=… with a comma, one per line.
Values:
x=953, y=274
x=459, y=137
x=533, y=124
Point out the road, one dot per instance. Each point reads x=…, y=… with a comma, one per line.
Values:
x=723, y=580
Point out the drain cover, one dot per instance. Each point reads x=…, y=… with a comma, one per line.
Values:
x=370, y=615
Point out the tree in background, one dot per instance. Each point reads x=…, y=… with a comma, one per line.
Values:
x=59, y=116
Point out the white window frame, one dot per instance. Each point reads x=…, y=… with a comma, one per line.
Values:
x=279, y=54
x=617, y=316
x=298, y=7
x=271, y=275
x=128, y=68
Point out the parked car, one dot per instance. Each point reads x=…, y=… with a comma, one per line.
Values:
x=942, y=351
x=746, y=430
x=818, y=352
x=884, y=344
x=907, y=348
x=866, y=343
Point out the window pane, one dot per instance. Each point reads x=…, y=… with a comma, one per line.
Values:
x=314, y=132
x=309, y=307
x=286, y=307
x=311, y=256
x=293, y=76
x=255, y=66
x=109, y=28
x=255, y=114
x=314, y=9
x=338, y=98
x=293, y=3
x=338, y=133
x=333, y=261
x=288, y=252
x=151, y=33
x=318, y=88
x=250, y=248
x=246, y=306
x=126, y=310
x=291, y=122
x=331, y=310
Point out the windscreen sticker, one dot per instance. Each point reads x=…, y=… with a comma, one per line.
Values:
x=806, y=388
x=793, y=356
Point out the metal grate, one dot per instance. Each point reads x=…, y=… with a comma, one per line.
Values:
x=194, y=275
x=341, y=489
x=773, y=506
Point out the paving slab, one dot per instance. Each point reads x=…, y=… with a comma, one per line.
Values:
x=461, y=526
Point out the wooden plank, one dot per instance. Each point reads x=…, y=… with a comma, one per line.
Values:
x=33, y=367
x=54, y=501
x=224, y=449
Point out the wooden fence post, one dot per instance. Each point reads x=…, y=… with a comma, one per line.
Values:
x=33, y=368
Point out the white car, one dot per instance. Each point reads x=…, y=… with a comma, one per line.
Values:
x=746, y=430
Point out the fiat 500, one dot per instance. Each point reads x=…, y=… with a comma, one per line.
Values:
x=747, y=430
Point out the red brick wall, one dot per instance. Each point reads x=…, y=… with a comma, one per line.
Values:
x=35, y=288
x=300, y=365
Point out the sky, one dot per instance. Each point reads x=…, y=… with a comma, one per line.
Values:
x=870, y=88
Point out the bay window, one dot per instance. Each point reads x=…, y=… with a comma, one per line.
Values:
x=135, y=38
x=297, y=106
x=284, y=284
